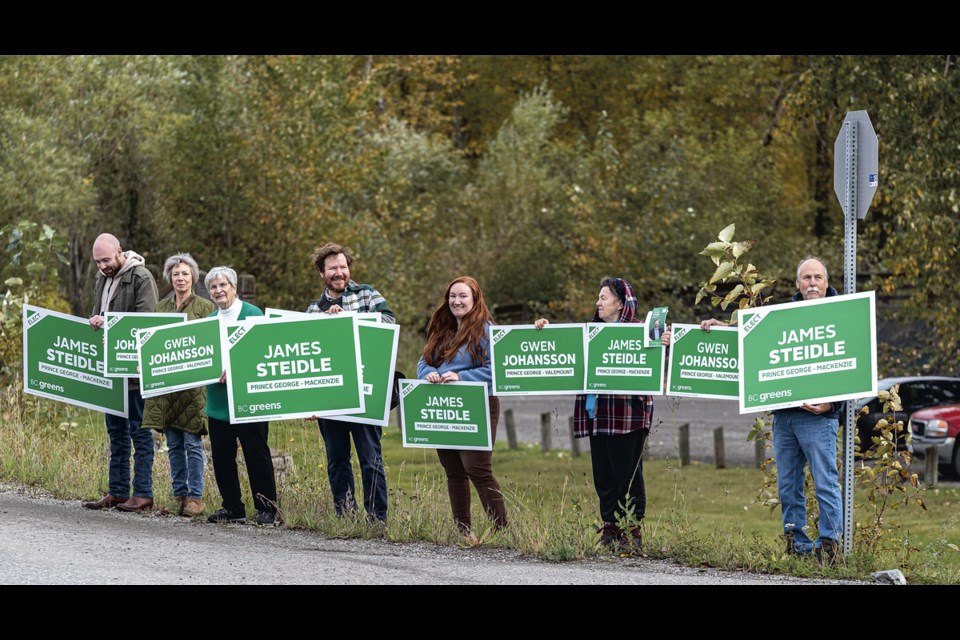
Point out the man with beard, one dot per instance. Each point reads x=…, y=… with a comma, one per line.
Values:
x=124, y=284
x=340, y=293
x=808, y=435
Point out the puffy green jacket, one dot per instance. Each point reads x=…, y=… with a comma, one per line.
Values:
x=184, y=410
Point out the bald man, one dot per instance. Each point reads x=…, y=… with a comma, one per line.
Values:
x=807, y=435
x=124, y=284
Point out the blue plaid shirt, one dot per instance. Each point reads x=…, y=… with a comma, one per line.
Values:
x=356, y=297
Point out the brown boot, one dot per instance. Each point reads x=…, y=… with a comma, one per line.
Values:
x=106, y=502
x=192, y=507
x=136, y=503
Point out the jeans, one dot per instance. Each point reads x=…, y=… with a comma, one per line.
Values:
x=800, y=438
x=366, y=438
x=186, y=462
x=122, y=432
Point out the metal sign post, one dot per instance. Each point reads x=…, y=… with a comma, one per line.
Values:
x=855, y=171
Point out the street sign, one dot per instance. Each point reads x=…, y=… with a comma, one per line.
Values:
x=855, y=158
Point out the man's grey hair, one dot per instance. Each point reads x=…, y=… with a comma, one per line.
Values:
x=176, y=259
x=800, y=264
x=221, y=272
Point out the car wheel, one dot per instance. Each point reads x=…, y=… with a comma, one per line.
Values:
x=956, y=458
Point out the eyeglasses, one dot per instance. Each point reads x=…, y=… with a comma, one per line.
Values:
x=218, y=287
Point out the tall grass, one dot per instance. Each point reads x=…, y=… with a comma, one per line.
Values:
x=696, y=515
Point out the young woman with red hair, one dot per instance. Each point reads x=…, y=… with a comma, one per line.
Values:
x=458, y=348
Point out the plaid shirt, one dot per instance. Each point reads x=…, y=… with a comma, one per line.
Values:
x=615, y=415
x=356, y=297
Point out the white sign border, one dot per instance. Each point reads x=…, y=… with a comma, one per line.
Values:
x=511, y=327
x=50, y=396
x=179, y=387
x=252, y=321
x=586, y=360
x=486, y=405
x=761, y=312
x=123, y=314
x=685, y=394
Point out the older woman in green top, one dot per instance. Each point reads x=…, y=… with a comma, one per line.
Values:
x=222, y=284
x=181, y=415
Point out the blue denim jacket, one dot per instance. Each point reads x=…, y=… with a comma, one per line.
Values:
x=470, y=370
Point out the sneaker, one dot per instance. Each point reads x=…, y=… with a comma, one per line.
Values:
x=225, y=515
x=266, y=519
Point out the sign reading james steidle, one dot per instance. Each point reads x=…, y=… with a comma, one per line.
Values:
x=292, y=367
x=63, y=360
x=812, y=351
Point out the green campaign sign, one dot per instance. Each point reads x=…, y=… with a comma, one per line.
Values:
x=617, y=361
x=120, y=338
x=378, y=361
x=292, y=367
x=548, y=361
x=63, y=360
x=811, y=351
x=453, y=415
x=179, y=356
x=378, y=358
x=704, y=364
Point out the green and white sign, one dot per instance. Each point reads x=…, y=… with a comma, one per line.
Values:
x=63, y=360
x=453, y=415
x=363, y=316
x=378, y=358
x=812, y=351
x=617, y=361
x=704, y=364
x=179, y=356
x=292, y=367
x=120, y=338
x=548, y=361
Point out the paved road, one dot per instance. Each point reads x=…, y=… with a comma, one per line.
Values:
x=668, y=413
x=49, y=541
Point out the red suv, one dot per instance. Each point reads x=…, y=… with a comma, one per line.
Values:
x=939, y=426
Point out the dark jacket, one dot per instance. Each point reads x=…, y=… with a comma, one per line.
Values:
x=839, y=407
x=184, y=410
x=136, y=289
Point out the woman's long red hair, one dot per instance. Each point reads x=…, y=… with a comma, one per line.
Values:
x=444, y=338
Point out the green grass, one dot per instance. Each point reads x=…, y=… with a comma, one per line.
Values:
x=697, y=515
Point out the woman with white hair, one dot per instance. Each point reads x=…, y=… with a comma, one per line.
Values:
x=222, y=284
x=181, y=415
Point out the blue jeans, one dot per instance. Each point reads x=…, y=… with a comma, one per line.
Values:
x=122, y=432
x=366, y=438
x=186, y=462
x=799, y=438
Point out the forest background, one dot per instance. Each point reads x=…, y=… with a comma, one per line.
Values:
x=538, y=175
